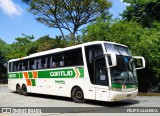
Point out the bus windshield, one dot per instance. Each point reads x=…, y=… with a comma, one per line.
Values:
x=124, y=72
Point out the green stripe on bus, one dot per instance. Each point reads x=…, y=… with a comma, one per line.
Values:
x=33, y=82
x=127, y=85
x=30, y=74
x=81, y=70
x=13, y=76
x=56, y=73
x=20, y=75
x=60, y=73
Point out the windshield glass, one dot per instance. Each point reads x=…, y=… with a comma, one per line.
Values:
x=117, y=49
x=124, y=72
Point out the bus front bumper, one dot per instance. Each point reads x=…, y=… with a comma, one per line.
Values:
x=117, y=96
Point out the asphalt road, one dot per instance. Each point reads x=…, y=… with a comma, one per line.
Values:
x=62, y=105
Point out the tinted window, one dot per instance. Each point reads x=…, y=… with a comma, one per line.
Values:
x=61, y=59
x=11, y=67
x=92, y=52
x=101, y=76
x=73, y=57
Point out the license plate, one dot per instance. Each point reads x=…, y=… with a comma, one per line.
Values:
x=129, y=95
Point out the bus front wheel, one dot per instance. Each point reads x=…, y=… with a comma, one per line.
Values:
x=77, y=95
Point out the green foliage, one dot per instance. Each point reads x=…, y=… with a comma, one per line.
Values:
x=47, y=43
x=18, y=48
x=3, y=73
x=3, y=69
x=4, y=49
x=145, y=12
x=149, y=47
x=94, y=31
x=25, y=46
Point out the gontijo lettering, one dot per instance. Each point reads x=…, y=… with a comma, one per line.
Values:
x=61, y=73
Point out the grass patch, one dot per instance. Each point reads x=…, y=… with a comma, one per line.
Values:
x=148, y=94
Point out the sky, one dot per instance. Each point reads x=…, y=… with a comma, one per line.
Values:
x=15, y=20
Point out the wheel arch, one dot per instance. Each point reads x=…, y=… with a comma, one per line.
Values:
x=76, y=86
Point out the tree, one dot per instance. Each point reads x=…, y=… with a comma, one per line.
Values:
x=19, y=48
x=67, y=14
x=145, y=12
x=45, y=43
x=127, y=33
x=3, y=69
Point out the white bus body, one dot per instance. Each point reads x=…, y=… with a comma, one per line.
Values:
x=100, y=70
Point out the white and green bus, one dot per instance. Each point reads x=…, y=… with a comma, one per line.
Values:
x=100, y=70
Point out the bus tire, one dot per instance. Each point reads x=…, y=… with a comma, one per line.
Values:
x=24, y=90
x=20, y=91
x=77, y=95
x=18, y=88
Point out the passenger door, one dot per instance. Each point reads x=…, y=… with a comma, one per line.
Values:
x=97, y=88
x=101, y=79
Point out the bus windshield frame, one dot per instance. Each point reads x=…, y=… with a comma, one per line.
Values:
x=124, y=72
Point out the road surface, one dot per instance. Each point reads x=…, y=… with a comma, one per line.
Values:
x=62, y=105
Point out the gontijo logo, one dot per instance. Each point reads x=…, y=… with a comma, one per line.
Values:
x=61, y=73
x=73, y=73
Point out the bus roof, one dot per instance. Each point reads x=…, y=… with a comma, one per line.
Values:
x=63, y=49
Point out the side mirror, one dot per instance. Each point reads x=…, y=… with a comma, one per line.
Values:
x=112, y=61
x=143, y=62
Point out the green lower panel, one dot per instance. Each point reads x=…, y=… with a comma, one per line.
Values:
x=127, y=85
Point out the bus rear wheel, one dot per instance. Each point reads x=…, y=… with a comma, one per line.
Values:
x=77, y=95
x=24, y=90
x=18, y=89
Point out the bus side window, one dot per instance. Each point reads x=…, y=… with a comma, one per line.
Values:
x=47, y=61
x=31, y=64
x=39, y=63
x=11, y=67
x=73, y=57
x=35, y=64
x=24, y=65
x=28, y=66
x=61, y=63
x=19, y=68
x=90, y=56
x=50, y=63
x=44, y=62
x=23, y=68
x=15, y=66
